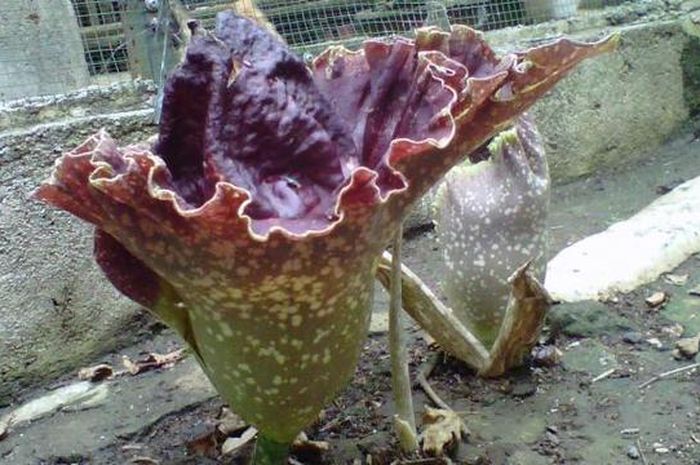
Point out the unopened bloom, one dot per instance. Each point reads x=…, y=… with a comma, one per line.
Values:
x=492, y=219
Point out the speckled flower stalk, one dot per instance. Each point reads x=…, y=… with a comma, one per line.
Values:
x=492, y=218
x=254, y=224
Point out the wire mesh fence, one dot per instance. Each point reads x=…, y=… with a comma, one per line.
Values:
x=59, y=45
x=102, y=35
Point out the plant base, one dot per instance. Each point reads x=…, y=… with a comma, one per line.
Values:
x=270, y=452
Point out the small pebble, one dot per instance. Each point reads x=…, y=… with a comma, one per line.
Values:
x=546, y=356
x=656, y=299
x=632, y=337
x=688, y=347
x=633, y=452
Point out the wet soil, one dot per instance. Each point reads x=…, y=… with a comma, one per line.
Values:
x=537, y=415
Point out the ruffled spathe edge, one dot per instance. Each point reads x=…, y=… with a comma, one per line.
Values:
x=527, y=74
x=95, y=160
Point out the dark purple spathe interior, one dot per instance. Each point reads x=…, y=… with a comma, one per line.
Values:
x=265, y=129
x=244, y=109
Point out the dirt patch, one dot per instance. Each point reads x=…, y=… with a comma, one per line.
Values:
x=588, y=409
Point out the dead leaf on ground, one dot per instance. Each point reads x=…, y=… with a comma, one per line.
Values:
x=443, y=429
x=229, y=423
x=204, y=440
x=152, y=361
x=96, y=373
x=309, y=451
x=656, y=299
x=231, y=445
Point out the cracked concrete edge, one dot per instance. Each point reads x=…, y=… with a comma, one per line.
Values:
x=90, y=101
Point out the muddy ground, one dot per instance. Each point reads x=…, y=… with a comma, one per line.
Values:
x=588, y=408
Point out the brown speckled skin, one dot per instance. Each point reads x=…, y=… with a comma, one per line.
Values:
x=492, y=218
x=263, y=207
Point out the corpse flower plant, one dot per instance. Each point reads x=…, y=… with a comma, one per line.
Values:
x=492, y=218
x=254, y=224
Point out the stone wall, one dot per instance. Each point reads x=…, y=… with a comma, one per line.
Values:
x=41, y=51
x=56, y=309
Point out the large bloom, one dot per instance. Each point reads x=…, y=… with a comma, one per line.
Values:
x=254, y=224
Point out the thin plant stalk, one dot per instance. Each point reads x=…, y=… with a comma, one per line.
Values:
x=525, y=314
x=436, y=318
x=270, y=452
x=404, y=419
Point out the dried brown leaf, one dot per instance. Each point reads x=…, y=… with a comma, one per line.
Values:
x=152, y=361
x=233, y=444
x=308, y=451
x=205, y=441
x=96, y=373
x=442, y=430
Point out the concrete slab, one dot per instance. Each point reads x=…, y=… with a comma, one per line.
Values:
x=130, y=405
x=632, y=252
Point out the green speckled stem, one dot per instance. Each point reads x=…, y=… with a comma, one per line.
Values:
x=269, y=452
x=404, y=419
